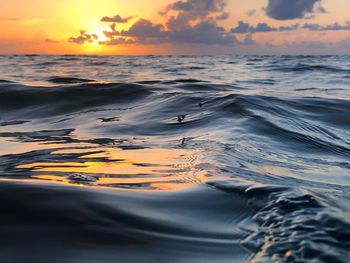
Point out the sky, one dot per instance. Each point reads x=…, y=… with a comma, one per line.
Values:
x=143, y=27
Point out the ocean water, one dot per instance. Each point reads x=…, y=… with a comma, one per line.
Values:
x=174, y=159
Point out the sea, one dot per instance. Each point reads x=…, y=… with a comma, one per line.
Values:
x=188, y=159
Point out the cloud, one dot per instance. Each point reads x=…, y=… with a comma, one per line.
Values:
x=116, y=19
x=192, y=11
x=199, y=7
x=143, y=29
x=292, y=9
x=244, y=28
x=263, y=27
x=204, y=33
x=83, y=38
x=332, y=27
x=186, y=22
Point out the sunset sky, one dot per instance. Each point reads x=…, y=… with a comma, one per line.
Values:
x=175, y=27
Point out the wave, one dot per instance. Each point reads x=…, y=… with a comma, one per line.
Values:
x=293, y=225
x=242, y=222
x=60, y=80
x=312, y=68
x=109, y=226
x=309, y=123
x=48, y=101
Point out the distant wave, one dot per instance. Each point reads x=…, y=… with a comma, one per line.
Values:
x=310, y=67
x=59, y=80
x=292, y=123
x=45, y=101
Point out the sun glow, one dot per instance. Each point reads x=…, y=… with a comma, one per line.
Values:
x=101, y=37
x=95, y=45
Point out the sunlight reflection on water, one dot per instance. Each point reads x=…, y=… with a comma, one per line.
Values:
x=145, y=168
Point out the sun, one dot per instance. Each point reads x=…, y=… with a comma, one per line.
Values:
x=96, y=43
x=101, y=37
x=97, y=39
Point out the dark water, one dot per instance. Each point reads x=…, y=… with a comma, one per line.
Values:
x=175, y=159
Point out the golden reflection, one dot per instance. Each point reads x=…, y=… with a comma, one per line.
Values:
x=162, y=169
x=14, y=147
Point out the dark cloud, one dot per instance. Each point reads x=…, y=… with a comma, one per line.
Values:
x=244, y=28
x=116, y=19
x=192, y=11
x=263, y=27
x=201, y=7
x=83, y=38
x=292, y=9
x=289, y=28
x=313, y=27
x=187, y=22
x=144, y=29
x=113, y=31
x=145, y=32
x=333, y=27
x=204, y=33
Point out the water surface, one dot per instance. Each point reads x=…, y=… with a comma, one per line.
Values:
x=177, y=159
